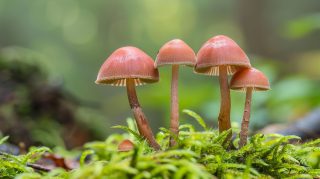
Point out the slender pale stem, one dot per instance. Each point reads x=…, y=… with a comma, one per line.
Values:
x=246, y=119
x=141, y=120
x=174, y=122
x=224, y=115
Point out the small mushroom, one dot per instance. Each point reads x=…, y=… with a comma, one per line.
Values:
x=175, y=52
x=221, y=56
x=248, y=80
x=130, y=67
x=125, y=146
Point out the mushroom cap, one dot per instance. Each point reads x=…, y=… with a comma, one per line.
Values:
x=220, y=50
x=127, y=63
x=175, y=52
x=249, y=77
x=125, y=145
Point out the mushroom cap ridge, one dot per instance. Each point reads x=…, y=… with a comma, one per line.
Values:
x=218, y=51
x=249, y=77
x=175, y=52
x=127, y=63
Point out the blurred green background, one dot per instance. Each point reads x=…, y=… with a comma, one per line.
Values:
x=71, y=39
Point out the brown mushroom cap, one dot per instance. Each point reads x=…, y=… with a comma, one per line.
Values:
x=125, y=145
x=249, y=77
x=127, y=63
x=220, y=50
x=175, y=52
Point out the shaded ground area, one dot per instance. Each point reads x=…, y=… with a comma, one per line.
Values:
x=33, y=112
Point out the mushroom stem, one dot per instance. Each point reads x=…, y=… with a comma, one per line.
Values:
x=174, y=122
x=246, y=118
x=224, y=115
x=141, y=120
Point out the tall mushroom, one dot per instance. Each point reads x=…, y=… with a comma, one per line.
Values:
x=221, y=56
x=175, y=52
x=130, y=66
x=248, y=80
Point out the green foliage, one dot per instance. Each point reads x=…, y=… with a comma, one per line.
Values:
x=11, y=165
x=302, y=26
x=130, y=131
x=197, y=118
x=4, y=139
x=198, y=154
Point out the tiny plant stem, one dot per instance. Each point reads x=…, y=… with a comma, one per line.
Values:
x=141, y=120
x=246, y=118
x=174, y=122
x=224, y=115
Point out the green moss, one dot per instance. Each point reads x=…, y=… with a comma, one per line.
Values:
x=199, y=154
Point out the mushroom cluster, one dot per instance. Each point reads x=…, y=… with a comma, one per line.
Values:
x=219, y=56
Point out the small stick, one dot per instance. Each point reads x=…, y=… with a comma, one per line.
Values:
x=34, y=166
x=38, y=167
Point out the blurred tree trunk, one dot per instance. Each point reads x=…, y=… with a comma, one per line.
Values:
x=255, y=25
x=265, y=23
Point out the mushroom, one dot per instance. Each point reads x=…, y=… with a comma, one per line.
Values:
x=125, y=146
x=248, y=80
x=130, y=67
x=175, y=52
x=221, y=56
